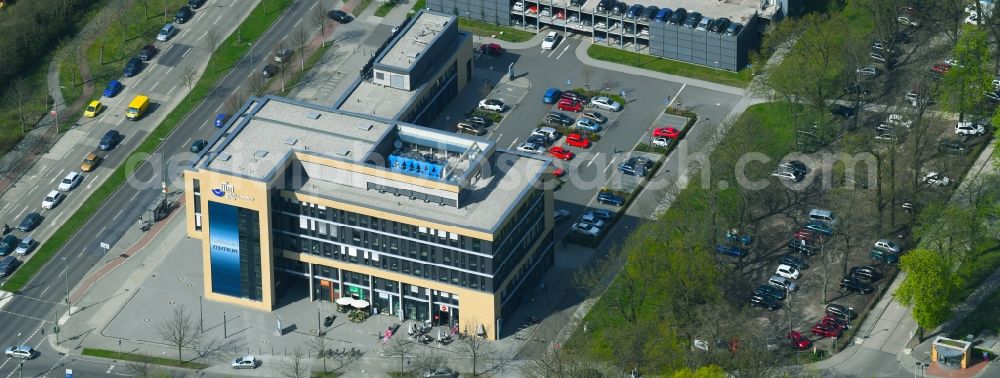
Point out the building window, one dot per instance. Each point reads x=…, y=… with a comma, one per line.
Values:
x=379, y=75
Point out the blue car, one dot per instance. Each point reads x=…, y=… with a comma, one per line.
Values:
x=220, y=120
x=551, y=95
x=730, y=250
x=820, y=227
x=609, y=198
x=114, y=87
x=588, y=124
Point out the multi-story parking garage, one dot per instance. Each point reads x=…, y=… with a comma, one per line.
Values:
x=645, y=27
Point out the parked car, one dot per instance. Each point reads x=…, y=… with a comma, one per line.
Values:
x=764, y=302
x=680, y=14
x=114, y=88
x=692, y=20
x=93, y=109
x=887, y=245
x=803, y=247
x=72, y=179
x=793, y=261
x=609, y=198
x=560, y=215
x=955, y=147
x=147, y=52
x=771, y=291
x=492, y=104
x=574, y=96
x=195, y=4
x=199, y=145
x=183, y=15
x=606, y=104
x=30, y=222
x=841, y=311
x=662, y=142
x=8, y=244
x=585, y=229
x=866, y=272
x=245, y=362
x=221, y=119
x=52, y=199
x=588, y=125
x=843, y=111
x=797, y=341
x=166, y=32
x=787, y=272
x=636, y=166
x=936, y=179
x=730, y=250
x=734, y=29
x=25, y=246
x=908, y=21
x=592, y=219
x=467, y=128
x=969, y=129
x=820, y=227
x=825, y=331
x=667, y=132
x=491, y=49
x=602, y=214
x=441, y=372
x=269, y=71
x=570, y=105
x=282, y=55
x=577, y=140
x=479, y=121
x=561, y=153
x=551, y=95
x=531, y=148
x=595, y=116
x=132, y=67
x=339, y=16
x=853, y=284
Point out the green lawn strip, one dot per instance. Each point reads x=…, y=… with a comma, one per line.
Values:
x=361, y=7
x=384, y=9
x=420, y=4
x=71, y=91
x=225, y=56
x=667, y=66
x=310, y=62
x=502, y=33
x=773, y=119
x=110, y=354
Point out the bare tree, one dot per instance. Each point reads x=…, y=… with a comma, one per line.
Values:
x=399, y=347
x=474, y=346
x=235, y=102
x=18, y=97
x=189, y=78
x=211, y=41
x=301, y=39
x=179, y=330
x=296, y=367
x=141, y=367
x=343, y=359
x=318, y=344
x=319, y=18
x=256, y=84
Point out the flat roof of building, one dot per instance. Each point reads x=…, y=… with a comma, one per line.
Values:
x=735, y=10
x=412, y=44
x=256, y=146
x=485, y=208
x=378, y=100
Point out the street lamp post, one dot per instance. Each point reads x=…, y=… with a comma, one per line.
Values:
x=251, y=55
x=201, y=315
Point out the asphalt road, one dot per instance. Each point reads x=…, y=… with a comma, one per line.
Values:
x=29, y=315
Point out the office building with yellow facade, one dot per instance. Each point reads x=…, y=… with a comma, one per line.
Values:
x=423, y=224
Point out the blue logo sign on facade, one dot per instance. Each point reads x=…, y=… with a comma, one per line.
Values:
x=218, y=192
x=224, y=248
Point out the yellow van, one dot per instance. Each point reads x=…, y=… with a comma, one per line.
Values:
x=137, y=108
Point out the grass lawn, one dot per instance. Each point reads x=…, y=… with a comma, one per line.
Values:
x=224, y=57
x=689, y=209
x=361, y=7
x=384, y=8
x=420, y=4
x=667, y=66
x=502, y=33
x=138, y=357
x=35, y=106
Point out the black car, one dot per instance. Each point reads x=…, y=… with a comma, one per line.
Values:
x=678, y=18
x=951, y=146
x=764, y=301
x=556, y=118
x=575, y=96
x=770, y=291
x=479, y=121
x=147, y=52
x=619, y=8
x=269, y=71
x=650, y=13
x=720, y=25
x=538, y=139
x=793, y=261
x=8, y=244
x=30, y=222
x=692, y=20
x=851, y=283
x=796, y=166
x=110, y=140
x=339, y=16
x=195, y=4
x=132, y=67
x=840, y=311
x=198, y=145
x=183, y=15
x=734, y=29
x=634, y=11
x=843, y=111
x=867, y=273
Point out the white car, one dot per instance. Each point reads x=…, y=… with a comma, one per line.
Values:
x=661, y=142
x=590, y=219
x=906, y=20
x=600, y=25
x=167, y=32
x=973, y=19
x=550, y=41
x=245, y=362
x=936, y=179
x=585, y=228
x=530, y=148
x=869, y=71
x=952, y=62
x=898, y=120
x=560, y=215
x=518, y=7
x=969, y=128
x=606, y=104
x=69, y=182
x=20, y=351
x=887, y=245
x=491, y=105
x=545, y=13
x=52, y=200
x=788, y=272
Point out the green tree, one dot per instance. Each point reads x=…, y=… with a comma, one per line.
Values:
x=929, y=287
x=709, y=371
x=965, y=83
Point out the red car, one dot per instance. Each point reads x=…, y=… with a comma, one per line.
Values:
x=667, y=132
x=570, y=105
x=577, y=140
x=491, y=49
x=560, y=153
x=941, y=68
x=799, y=342
x=826, y=331
x=559, y=172
x=804, y=234
x=833, y=321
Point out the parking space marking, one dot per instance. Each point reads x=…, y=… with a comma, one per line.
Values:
x=591, y=161
x=610, y=163
x=563, y=52
x=676, y=95
x=508, y=147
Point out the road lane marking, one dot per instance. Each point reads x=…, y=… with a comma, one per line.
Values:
x=563, y=52
x=99, y=233
x=610, y=163
x=512, y=144
x=185, y=53
x=153, y=88
x=296, y=24
x=118, y=215
x=18, y=216
x=168, y=70
x=56, y=219
x=133, y=196
x=110, y=368
x=79, y=255
x=90, y=183
x=676, y=95
x=217, y=19
x=57, y=176
x=43, y=291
